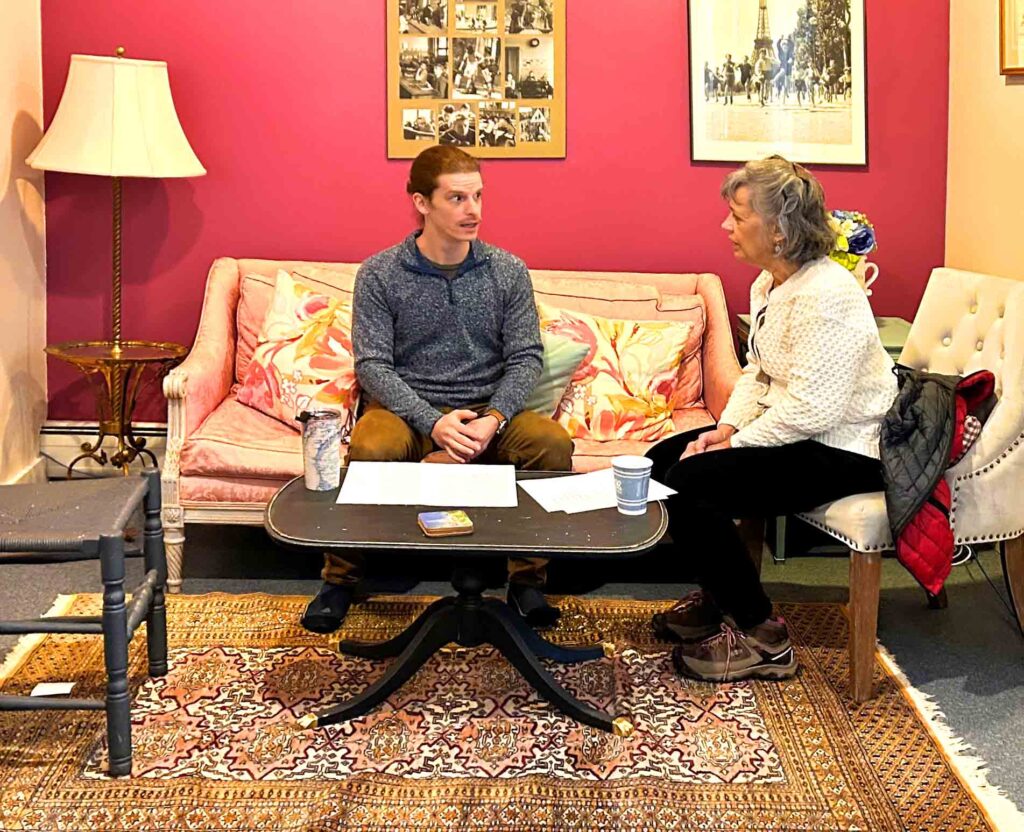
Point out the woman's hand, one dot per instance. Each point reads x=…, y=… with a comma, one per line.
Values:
x=712, y=440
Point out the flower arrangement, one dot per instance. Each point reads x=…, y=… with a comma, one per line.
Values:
x=855, y=237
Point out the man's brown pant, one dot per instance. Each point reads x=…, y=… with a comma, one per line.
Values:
x=530, y=442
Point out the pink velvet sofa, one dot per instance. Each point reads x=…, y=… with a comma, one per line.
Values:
x=225, y=460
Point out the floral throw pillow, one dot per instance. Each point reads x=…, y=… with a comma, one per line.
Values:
x=561, y=358
x=303, y=359
x=625, y=386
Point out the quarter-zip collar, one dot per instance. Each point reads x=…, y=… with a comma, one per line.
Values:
x=413, y=259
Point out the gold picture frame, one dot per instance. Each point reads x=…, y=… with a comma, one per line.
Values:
x=1011, y=37
x=484, y=75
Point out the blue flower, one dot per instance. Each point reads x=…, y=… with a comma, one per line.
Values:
x=861, y=240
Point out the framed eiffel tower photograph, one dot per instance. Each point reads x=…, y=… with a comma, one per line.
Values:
x=778, y=76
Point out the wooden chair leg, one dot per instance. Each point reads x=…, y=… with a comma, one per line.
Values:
x=865, y=579
x=939, y=601
x=752, y=531
x=1013, y=569
x=174, y=548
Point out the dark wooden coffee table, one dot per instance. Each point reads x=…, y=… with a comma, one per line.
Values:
x=312, y=520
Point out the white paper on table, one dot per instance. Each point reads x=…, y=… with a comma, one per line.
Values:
x=52, y=689
x=546, y=491
x=583, y=492
x=419, y=484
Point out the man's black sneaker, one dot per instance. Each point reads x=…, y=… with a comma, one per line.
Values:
x=328, y=608
x=531, y=604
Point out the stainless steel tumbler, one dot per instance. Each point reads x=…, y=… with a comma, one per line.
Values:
x=321, y=448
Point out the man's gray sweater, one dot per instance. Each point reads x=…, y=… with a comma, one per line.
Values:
x=423, y=340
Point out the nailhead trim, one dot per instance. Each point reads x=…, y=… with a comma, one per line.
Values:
x=876, y=547
x=990, y=538
x=971, y=475
x=853, y=544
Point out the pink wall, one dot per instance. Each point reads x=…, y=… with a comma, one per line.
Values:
x=285, y=106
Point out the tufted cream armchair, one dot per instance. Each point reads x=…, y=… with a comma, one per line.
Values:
x=966, y=322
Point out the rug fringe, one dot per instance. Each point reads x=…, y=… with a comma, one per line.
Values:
x=27, y=643
x=1002, y=812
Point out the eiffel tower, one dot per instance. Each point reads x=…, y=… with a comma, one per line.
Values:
x=764, y=35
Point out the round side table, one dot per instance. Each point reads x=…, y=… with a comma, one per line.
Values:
x=119, y=371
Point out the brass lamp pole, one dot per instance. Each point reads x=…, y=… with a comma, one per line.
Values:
x=115, y=311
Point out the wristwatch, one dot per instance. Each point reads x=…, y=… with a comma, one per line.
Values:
x=502, y=421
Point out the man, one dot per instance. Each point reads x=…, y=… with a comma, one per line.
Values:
x=440, y=82
x=764, y=76
x=528, y=86
x=461, y=134
x=729, y=70
x=468, y=68
x=544, y=88
x=447, y=350
x=746, y=71
x=437, y=14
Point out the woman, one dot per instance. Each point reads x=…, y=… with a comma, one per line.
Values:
x=800, y=428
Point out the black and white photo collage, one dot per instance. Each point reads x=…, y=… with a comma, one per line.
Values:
x=476, y=73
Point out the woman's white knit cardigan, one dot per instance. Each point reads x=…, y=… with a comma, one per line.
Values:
x=816, y=365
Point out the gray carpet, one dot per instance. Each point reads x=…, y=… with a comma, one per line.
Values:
x=969, y=657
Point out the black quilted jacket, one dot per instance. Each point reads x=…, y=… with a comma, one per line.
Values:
x=915, y=441
x=918, y=432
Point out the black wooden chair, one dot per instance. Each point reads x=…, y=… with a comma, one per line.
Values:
x=86, y=520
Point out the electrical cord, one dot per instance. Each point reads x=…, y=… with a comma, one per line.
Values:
x=75, y=475
x=963, y=556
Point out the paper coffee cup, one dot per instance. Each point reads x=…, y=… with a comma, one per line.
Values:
x=632, y=481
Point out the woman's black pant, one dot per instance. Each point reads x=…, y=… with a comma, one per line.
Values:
x=717, y=487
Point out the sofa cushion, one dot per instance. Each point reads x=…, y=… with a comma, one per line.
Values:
x=239, y=451
x=626, y=386
x=691, y=309
x=304, y=358
x=257, y=290
x=240, y=455
x=234, y=491
x=649, y=297
x=618, y=298
x=240, y=442
x=562, y=356
x=592, y=455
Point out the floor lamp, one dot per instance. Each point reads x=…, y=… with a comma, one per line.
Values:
x=116, y=118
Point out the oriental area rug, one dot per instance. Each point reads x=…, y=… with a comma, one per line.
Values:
x=466, y=744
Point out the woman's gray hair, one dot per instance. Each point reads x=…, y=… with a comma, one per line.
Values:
x=789, y=200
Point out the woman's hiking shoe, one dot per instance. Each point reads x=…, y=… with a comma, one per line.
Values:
x=694, y=617
x=762, y=652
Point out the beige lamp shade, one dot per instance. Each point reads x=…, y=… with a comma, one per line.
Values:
x=116, y=118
